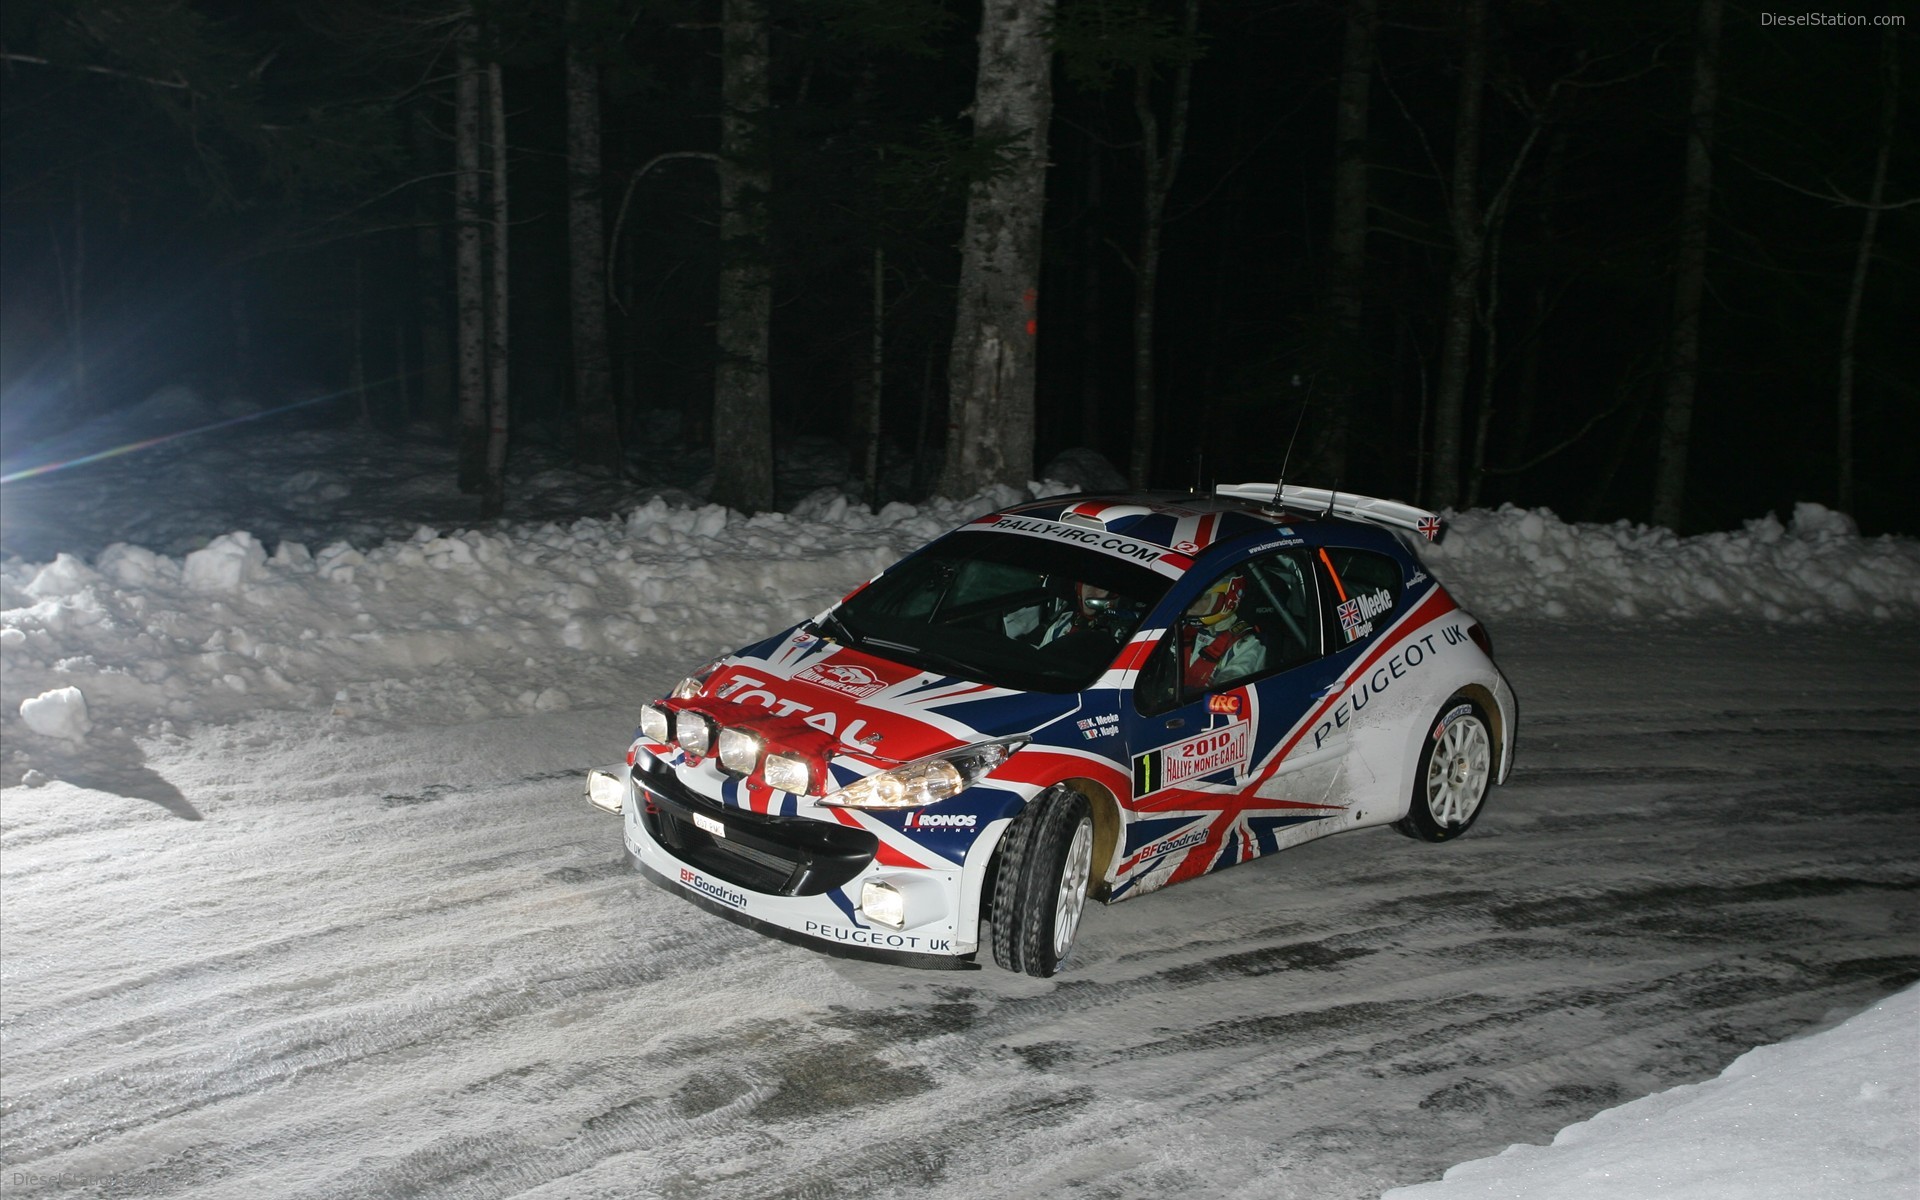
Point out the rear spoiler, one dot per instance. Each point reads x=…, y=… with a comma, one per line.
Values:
x=1308, y=500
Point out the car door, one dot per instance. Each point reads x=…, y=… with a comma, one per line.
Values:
x=1225, y=762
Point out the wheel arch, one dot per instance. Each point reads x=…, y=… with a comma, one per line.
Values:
x=1490, y=704
x=1394, y=789
x=1109, y=828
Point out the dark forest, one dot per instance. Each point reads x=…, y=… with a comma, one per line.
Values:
x=1625, y=259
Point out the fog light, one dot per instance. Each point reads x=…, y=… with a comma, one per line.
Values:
x=883, y=904
x=788, y=773
x=655, y=725
x=605, y=790
x=739, y=751
x=694, y=732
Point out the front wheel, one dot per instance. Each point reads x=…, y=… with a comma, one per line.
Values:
x=1046, y=864
x=1456, y=768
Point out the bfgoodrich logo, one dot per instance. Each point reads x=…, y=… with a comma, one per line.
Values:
x=706, y=887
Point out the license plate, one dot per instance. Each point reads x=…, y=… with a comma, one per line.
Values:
x=710, y=825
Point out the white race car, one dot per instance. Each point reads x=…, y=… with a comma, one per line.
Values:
x=1070, y=698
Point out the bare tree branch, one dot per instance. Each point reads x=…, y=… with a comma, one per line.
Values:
x=1835, y=197
x=175, y=82
x=619, y=221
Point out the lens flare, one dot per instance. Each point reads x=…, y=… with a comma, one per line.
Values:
x=149, y=443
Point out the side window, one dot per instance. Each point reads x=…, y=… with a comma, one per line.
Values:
x=1252, y=621
x=1361, y=589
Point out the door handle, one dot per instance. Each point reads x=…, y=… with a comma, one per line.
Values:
x=1176, y=722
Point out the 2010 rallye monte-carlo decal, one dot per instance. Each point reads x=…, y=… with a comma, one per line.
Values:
x=1075, y=698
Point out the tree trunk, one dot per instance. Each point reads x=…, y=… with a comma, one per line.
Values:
x=990, y=373
x=240, y=323
x=742, y=404
x=402, y=376
x=1683, y=369
x=470, y=298
x=1856, y=289
x=1158, y=167
x=71, y=278
x=430, y=285
x=870, y=460
x=1463, y=280
x=1347, y=246
x=357, y=341
x=596, y=425
x=493, y=494
x=1093, y=416
x=1489, y=362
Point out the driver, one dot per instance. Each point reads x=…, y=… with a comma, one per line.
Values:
x=1220, y=646
x=1093, y=608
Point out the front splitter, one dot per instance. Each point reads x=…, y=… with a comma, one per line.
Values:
x=900, y=958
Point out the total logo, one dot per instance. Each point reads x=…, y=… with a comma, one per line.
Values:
x=744, y=689
x=925, y=820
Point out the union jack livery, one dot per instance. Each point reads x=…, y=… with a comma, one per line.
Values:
x=1078, y=697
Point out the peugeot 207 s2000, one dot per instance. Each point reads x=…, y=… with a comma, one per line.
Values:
x=1070, y=698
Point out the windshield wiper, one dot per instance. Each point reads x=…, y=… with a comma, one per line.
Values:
x=951, y=665
x=833, y=621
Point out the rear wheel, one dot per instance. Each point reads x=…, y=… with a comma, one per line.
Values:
x=1040, y=891
x=1456, y=769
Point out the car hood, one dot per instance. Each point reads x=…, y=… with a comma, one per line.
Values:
x=811, y=695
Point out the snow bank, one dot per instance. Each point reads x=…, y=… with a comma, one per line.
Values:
x=1834, y=1116
x=1518, y=562
x=462, y=624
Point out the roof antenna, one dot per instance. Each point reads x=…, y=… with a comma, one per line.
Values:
x=1280, y=484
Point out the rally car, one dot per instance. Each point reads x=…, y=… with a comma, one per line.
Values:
x=1077, y=697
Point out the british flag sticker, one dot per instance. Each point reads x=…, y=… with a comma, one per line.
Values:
x=1350, y=617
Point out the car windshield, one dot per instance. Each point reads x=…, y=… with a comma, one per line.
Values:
x=999, y=608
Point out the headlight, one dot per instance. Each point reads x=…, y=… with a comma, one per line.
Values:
x=883, y=904
x=739, y=751
x=655, y=725
x=788, y=773
x=927, y=780
x=690, y=687
x=605, y=790
x=694, y=733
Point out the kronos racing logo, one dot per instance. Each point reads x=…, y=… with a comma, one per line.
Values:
x=942, y=821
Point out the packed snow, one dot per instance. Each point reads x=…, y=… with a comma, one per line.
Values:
x=334, y=610
x=454, y=621
x=1833, y=1114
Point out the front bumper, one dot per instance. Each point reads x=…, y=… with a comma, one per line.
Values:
x=794, y=878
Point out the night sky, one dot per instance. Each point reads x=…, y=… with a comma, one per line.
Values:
x=237, y=194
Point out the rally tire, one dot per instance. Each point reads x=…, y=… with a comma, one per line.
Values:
x=1454, y=774
x=1040, y=891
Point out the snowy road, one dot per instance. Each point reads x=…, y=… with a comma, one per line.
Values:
x=406, y=960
